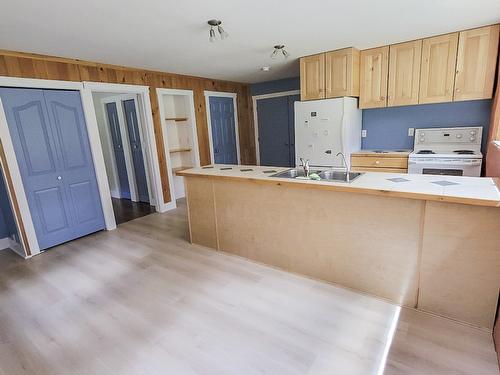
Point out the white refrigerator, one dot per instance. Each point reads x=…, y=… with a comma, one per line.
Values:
x=326, y=127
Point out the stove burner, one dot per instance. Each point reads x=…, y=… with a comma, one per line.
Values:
x=426, y=152
x=464, y=152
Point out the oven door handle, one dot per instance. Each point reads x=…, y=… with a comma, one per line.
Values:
x=455, y=163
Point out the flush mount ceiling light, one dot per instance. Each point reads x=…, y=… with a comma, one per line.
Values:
x=265, y=68
x=216, y=24
x=279, y=50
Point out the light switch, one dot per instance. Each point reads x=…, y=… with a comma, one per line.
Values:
x=363, y=133
x=411, y=132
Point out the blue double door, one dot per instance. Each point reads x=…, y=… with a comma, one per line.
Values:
x=277, y=131
x=52, y=149
x=223, y=128
x=132, y=125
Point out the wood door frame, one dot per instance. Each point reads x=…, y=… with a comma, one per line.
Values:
x=256, y=118
x=144, y=111
x=160, y=92
x=132, y=180
x=223, y=94
x=31, y=246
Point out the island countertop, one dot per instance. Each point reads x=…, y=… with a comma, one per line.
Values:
x=480, y=191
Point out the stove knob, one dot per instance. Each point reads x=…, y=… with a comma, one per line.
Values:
x=472, y=138
x=459, y=135
x=472, y=132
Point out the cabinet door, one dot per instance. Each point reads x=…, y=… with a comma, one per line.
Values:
x=476, y=63
x=404, y=73
x=342, y=73
x=312, y=77
x=437, y=74
x=373, y=77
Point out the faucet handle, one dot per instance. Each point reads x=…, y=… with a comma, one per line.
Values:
x=305, y=162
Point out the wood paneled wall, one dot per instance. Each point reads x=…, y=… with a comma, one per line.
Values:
x=18, y=64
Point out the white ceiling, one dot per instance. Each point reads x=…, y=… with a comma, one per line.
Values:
x=172, y=35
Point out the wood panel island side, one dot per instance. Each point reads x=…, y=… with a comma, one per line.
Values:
x=426, y=242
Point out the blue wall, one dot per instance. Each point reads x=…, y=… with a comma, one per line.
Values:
x=287, y=84
x=388, y=127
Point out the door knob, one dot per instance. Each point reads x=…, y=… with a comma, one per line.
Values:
x=59, y=177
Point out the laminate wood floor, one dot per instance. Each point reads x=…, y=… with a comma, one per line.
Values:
x=142, y=300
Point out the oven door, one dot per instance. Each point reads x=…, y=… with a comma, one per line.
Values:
x=445, y=166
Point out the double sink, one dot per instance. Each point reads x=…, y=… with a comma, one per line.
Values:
x=326, y=175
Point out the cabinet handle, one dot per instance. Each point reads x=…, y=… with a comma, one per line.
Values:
x=458, y=90
x=382, y=98
x=59, y=178
x=377, y=162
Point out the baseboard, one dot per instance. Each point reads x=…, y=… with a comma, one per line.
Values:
x=9, y=243
x=115, y=194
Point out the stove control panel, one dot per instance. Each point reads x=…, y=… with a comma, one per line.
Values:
x=449, y=138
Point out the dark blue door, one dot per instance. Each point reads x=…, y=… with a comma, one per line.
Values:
x=53, y=152
x=223, y=130
x=114, y=128
x=136, y=148
x=277, y=130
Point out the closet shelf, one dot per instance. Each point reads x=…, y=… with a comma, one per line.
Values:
x=180, y=149
x=177, y=119
x=179, y=169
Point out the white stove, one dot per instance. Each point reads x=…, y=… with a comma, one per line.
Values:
x=447, y=151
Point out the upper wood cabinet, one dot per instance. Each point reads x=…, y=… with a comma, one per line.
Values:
x=374, y=64
x=404, y=73
x=476, y=63
x=437, y=74
x=312, y=77
x=342, y=73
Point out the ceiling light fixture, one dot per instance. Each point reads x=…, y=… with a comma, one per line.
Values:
x=265, y=68
x=279, y=49
x=216, y=24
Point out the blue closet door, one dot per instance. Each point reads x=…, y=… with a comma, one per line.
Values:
x=53, y=152
x=136, y=147
x=277, y=131
x=223, y=130
x=116, y=137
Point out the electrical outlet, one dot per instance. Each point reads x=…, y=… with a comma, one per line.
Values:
x=411, y=132
x=363, y=133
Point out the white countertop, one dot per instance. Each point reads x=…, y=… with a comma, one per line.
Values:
x=467, y=190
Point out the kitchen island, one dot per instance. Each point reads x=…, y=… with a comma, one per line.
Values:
x=427, y=242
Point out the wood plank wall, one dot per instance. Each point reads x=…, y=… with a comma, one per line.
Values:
x=26, y=65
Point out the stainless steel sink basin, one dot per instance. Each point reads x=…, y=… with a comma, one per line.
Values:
x=331, y=175
x=328, y=175
x=292, y=173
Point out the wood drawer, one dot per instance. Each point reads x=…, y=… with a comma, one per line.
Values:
x=378, y=162
x=386, y=170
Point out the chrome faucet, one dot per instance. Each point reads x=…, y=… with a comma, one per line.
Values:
x=305, y=166
x=347, y=172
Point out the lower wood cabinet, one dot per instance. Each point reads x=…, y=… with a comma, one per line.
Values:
x=369, y=161
x=374, y=65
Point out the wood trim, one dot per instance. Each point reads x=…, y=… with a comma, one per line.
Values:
x=13, y=200
x=30, y=65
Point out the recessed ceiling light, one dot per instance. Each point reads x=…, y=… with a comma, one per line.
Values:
x=265, y=68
